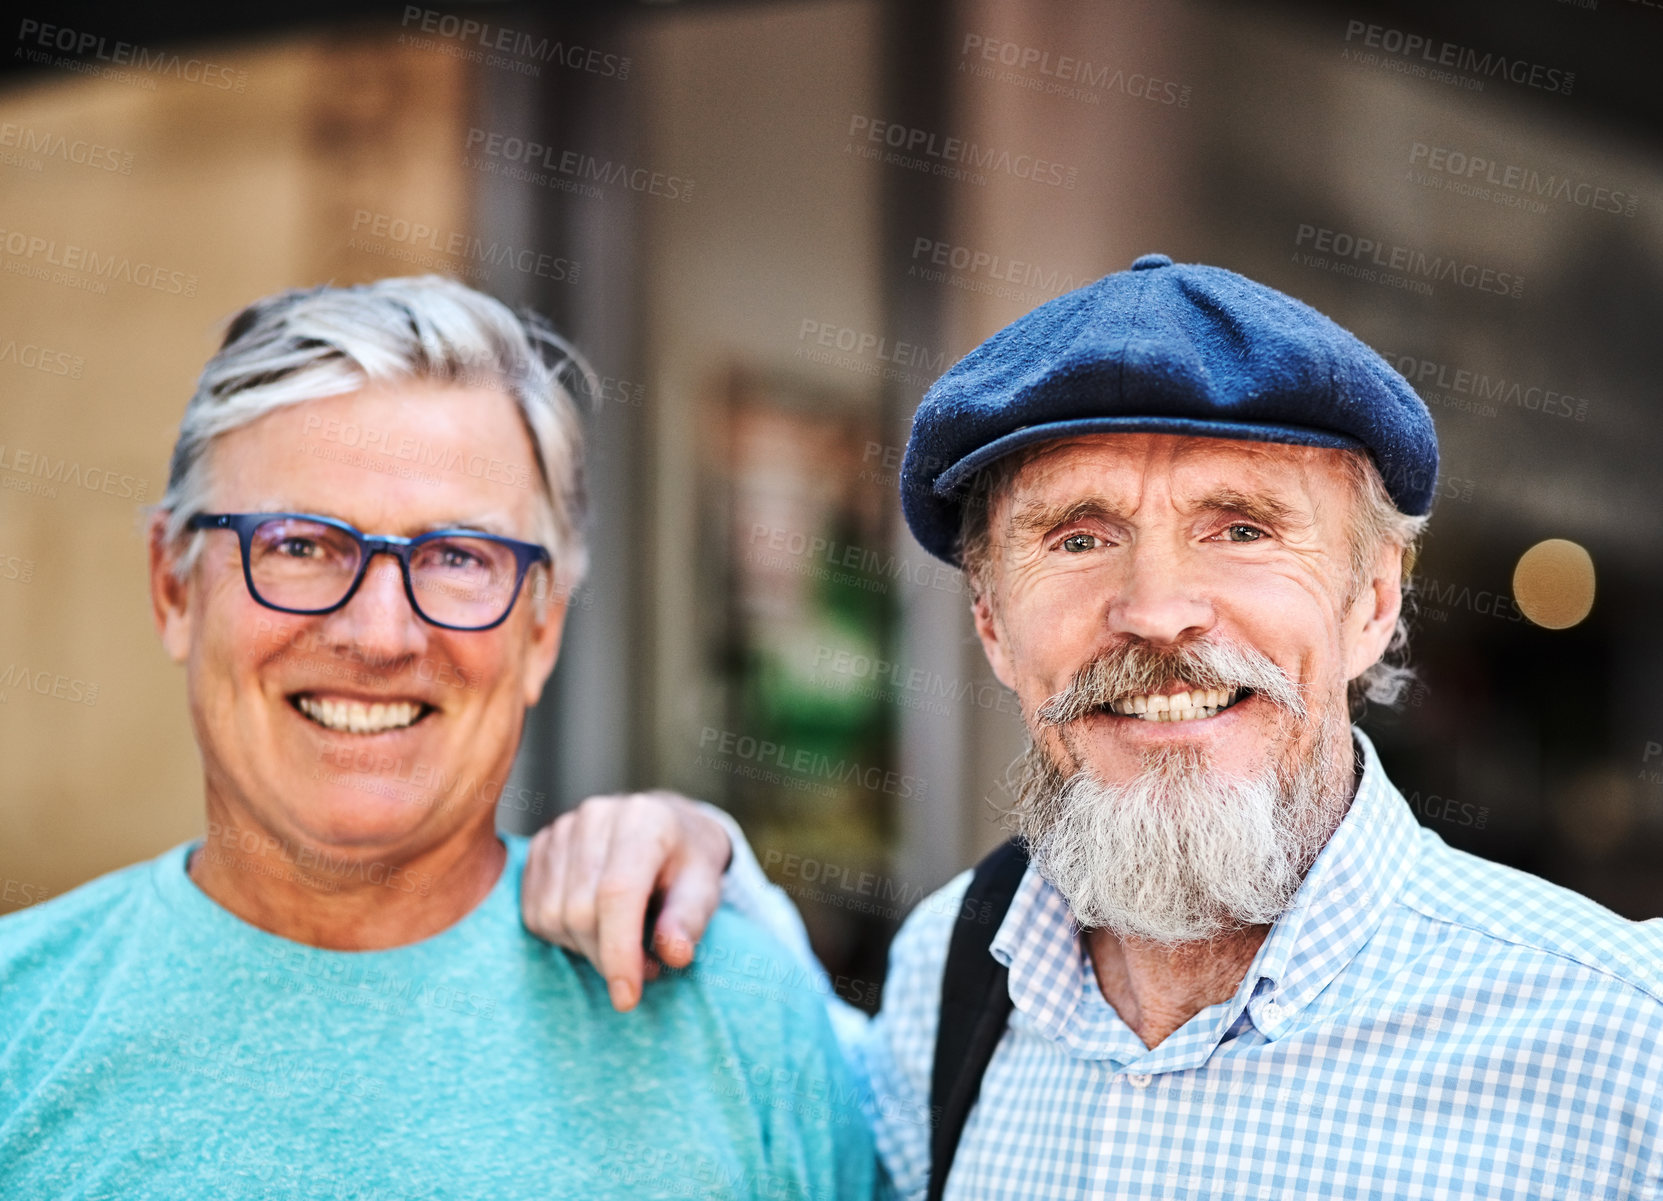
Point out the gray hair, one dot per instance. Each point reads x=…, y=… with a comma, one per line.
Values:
x=307, y=344
x=1374, y=520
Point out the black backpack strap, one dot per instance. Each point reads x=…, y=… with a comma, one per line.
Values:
x=975, y=1004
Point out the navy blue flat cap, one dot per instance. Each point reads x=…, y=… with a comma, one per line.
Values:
x=1163, y=348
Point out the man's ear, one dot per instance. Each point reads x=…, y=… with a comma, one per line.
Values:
x=169, y=594
x=1372, y=618
x=992, y=634
x=548, y=625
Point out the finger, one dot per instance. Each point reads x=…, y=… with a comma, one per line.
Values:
x=587, y=842
x=541, y=887
x=621, y=898
x=691, y=896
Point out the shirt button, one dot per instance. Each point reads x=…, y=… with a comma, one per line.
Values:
x=1138, y=1079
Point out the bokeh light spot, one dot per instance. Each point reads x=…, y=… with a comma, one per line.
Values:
x=1553, y=584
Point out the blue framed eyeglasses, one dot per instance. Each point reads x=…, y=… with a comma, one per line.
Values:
x=303, y=563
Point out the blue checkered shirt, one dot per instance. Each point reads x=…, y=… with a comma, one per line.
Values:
x=1421, y=1023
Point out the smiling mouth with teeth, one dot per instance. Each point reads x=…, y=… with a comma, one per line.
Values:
x=1192, y=705
x=355, y=717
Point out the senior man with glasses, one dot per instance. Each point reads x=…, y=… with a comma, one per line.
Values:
x=372, y=524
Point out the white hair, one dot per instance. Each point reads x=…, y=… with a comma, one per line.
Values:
x=306, y=344
x=1375, y=520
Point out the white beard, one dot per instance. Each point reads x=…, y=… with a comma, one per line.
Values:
x=1183, y=852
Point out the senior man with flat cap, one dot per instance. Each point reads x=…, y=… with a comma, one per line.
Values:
x=1221, y=958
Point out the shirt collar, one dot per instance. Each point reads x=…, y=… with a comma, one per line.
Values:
x=1343, y=897
x=1337, y=908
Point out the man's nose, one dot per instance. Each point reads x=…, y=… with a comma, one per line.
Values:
x=378, y=620
x=1161, y=598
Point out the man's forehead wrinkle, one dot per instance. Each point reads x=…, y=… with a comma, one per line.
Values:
x=1270, y=481
x=1275, y=460
x=1275, y=479
x=1101, y=451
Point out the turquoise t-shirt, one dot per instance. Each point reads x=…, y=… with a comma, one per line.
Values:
x=154, y=1045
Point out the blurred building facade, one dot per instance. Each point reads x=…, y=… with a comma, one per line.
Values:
x=770, y=226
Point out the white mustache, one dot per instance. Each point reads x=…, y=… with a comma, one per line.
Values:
x=1136, y=667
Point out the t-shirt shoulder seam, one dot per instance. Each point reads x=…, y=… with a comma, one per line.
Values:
x=120, y=886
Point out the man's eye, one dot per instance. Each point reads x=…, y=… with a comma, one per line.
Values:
x=452, y=556
x=1077, y=543
x=1244, y=533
